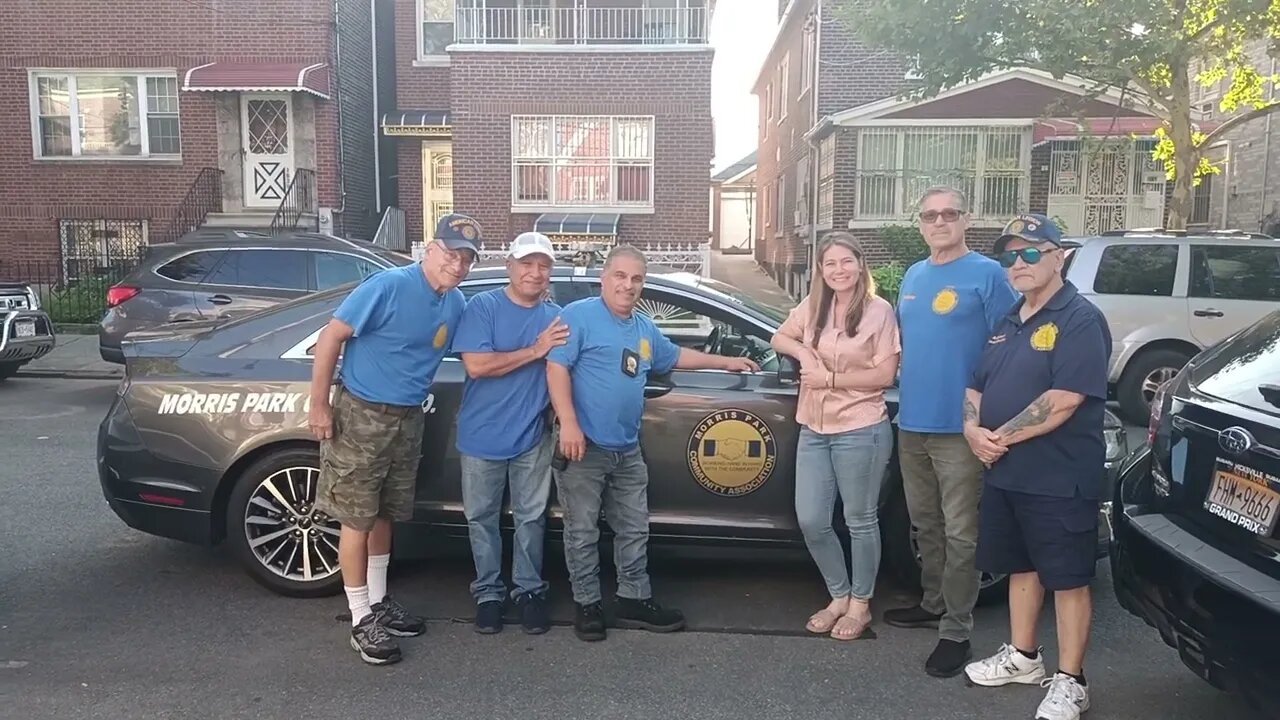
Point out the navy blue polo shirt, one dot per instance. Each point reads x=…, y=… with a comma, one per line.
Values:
x=1064, y=346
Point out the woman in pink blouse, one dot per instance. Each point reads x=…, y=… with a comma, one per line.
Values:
x=846, y=340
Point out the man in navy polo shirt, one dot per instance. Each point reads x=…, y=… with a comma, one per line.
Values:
x=392, y=330
x=1033, y=415
x=503, y=438
x=597, y=382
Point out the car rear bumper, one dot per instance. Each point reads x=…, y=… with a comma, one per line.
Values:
x=25, y=348
x=141, y=489
x=1219, y=613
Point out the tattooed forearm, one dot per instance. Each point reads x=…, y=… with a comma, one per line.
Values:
x=1043, y=415
x=970, y=411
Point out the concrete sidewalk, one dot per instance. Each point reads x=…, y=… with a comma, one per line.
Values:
x=742, y=272
x=74, y=356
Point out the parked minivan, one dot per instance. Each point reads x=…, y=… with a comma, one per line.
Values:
x=216, y=274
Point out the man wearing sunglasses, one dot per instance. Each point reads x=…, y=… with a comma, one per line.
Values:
x=393, y=331
x=1033, y=415
x=947, y=306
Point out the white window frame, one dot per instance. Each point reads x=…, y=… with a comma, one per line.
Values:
x=807, y=46
x=557, y=162
x=784, y=76
x=420, y=18
x=903, y=210
x=140, y=77
x=826, y=182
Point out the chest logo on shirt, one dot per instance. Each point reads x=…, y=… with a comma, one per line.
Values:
x=646, y=351
x=732, y=452
x=442, y=337
x=945, y=301
x=996, y=339
x=1045, y=337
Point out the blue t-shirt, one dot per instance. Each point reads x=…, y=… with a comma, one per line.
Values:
x=402, y=331
x=502, y=417
x=609, y=360
x=1064, y=346
x=946, y=313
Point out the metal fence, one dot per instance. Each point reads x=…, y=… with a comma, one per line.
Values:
x=582, y=25
x=72, y=291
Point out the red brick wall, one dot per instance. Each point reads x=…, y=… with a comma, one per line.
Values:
x=488, y=88
x=417, y=88
x=177, y=35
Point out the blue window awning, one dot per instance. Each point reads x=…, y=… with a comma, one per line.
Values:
x=577, y=223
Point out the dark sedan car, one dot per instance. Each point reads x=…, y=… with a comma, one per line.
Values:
x=207, y=440
x=1195, y=551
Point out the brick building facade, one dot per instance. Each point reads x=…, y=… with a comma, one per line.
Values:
x=111, y=121
x=584, y=121
x=840, y=149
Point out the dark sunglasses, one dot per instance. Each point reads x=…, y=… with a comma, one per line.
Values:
x=948, y=215
x=1030, y=256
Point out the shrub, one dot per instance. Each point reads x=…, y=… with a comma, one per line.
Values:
x=905, y=244
x=888, y=280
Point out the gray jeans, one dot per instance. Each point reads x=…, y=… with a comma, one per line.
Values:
x=943, y=483
x=618, y=482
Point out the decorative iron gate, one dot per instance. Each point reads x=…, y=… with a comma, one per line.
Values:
x=1101, y=185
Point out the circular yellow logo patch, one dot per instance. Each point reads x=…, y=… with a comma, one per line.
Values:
x=442, y=337
x=1045, y=337
x=945, y=301
x=732, y=452
x=1015, y=226
x=646, y=350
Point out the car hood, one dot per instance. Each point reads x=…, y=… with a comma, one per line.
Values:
x=1242, y=369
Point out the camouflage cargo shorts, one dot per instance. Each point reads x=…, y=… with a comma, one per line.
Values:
x=369, y=468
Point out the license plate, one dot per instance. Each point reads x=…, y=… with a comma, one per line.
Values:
x=24, y=328
x=1242, y=495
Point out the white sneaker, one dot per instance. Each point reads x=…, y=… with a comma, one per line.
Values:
x=1066, y=699
x=1005, y=667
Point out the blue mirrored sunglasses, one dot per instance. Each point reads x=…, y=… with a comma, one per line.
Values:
x=1030, y=256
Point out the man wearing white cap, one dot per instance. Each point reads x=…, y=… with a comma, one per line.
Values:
x=503, y=437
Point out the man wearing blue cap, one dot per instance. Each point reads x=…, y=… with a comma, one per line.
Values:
x=392, y=330
x=1033, y=415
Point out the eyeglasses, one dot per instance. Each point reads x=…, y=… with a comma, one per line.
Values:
x=1030, y=256
x=947, y=215
x=456, y=257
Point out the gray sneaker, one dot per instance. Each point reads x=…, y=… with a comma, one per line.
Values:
x=392, y=616
x=374, y=643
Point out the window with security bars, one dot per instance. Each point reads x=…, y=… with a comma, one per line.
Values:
x=582, y=161
x=826, y=180
x=896, y=165
x=115, y=114
x=91, y=247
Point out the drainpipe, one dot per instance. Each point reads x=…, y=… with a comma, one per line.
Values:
x=815, y=168
x=1266, y=156
x=337, y=95
x=377, y=154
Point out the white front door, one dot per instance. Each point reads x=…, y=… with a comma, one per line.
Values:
x=266, y=122
x=437, y=184
x=1102, y=185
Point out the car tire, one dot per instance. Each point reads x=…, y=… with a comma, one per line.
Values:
x=283, y=569
x=1149, y=367
x=903, y=560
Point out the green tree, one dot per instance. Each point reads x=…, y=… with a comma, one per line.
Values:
x=1144, y=48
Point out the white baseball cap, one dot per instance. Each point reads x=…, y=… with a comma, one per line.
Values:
x=529, y=243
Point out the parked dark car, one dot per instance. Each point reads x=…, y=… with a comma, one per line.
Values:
x=1195, y=551
x=217, y=274
x=207, y=440
x=26, y=332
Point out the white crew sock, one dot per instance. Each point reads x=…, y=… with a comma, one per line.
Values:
x=378, y=577
x=358, y=601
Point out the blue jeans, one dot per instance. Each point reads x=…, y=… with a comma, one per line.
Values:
x=483, y=483
x=852, y=464
x=618, y=481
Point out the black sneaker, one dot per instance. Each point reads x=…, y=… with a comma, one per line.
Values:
x=392, y=616
x=589, y=623
x=646, y=615
x=948, y=658
x=374, y=643
x=534, y=617
x=912, y=617
x=489, y=617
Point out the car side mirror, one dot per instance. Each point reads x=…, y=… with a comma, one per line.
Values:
x=788, y=369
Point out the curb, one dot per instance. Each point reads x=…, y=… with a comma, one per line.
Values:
x=72, y=374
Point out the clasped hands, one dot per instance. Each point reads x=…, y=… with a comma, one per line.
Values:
x=988, y=445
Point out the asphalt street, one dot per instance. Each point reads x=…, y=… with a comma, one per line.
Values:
x=99, y=621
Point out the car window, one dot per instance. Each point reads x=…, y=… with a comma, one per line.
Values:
x=192, y=267
x=278, y=269
x=1137, y=270
x=334, y=269
x=1235, y=272
x=700, y=326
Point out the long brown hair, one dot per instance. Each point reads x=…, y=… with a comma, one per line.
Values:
x=822, y=297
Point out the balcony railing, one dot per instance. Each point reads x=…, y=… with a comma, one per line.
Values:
x=581, y=26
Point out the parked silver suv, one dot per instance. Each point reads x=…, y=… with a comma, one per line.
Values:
x=1168, y=295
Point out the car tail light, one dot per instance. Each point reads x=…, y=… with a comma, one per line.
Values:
x=1157, y=412
x=1160, y=481
x=120, y=293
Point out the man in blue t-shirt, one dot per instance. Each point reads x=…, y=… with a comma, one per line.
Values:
x=503, y=436
x=392, y=331
x=1033, y=414
x=946, y=308
x=597, y=381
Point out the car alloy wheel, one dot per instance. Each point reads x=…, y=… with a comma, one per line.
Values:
x=285, y=533
x=1154, y=380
